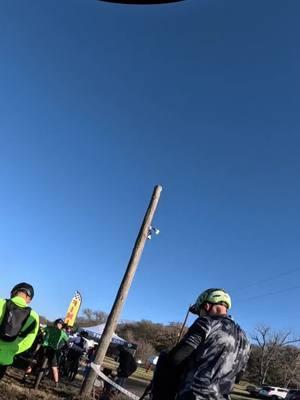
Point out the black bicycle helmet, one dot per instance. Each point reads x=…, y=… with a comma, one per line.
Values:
x=59, y=321
x=22, y=287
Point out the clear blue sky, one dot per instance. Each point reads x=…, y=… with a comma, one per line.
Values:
x=100, y=102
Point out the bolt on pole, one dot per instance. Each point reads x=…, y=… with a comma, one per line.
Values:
x=121, y=296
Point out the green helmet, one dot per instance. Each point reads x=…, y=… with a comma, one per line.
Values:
x=213, y=296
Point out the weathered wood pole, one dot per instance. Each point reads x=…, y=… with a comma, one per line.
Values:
x=114, y=315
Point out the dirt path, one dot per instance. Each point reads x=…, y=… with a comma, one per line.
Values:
x=11, y=388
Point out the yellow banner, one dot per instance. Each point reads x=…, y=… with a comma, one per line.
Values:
x=73, y=309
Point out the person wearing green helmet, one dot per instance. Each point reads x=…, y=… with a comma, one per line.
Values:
x=210, y=358
x=209, y=299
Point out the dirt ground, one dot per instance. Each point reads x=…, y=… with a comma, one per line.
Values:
x=12, y=388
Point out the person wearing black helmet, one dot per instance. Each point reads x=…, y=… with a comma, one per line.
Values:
x=55, y=338
x=19, y=324
x=210, y=358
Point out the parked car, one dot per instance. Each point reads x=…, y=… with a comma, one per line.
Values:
x=293, y=394
x=252, y=390
x=273, y=392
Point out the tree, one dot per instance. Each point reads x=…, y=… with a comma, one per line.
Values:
x=144, y=350
x=159, y=336
x=168, y=336
x=91, y=317
x=272, y=350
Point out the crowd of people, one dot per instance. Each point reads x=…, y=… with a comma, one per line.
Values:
x=59, y=349
x=21, y=334
x=204, y=365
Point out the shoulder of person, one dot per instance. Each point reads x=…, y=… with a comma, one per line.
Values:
x=199, y=330
x=231, y=321
x=202, y=323
x=228, y=324
x=35, y=315
x=2, y=303
x=244, y=335
x=65, y=335
x=2, y=307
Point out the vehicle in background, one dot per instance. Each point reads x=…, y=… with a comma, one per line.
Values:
x=273, y=392
x=293, y=394
x=253, y=390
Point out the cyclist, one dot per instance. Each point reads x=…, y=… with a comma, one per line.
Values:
x=55, y=338
x=19, y=324
x=210, y=358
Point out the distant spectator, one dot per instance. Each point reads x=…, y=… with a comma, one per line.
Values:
x=91, y=354
x=127, y=366
x=68, y=329
x=76, y=350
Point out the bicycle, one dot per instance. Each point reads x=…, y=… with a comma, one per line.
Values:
x=48, y=355
x=42, y=371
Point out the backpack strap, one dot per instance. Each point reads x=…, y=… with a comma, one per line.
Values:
x=29, y=329
x=5, y=312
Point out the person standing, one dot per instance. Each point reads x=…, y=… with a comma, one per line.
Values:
x=19, y=324
x=210, y=358
x=55, y=338
x=127, y=365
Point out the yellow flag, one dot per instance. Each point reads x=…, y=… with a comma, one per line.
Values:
x=73, y=309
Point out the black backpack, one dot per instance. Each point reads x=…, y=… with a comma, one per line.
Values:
x=131, y=365
x=13, y=321
x=127, y=364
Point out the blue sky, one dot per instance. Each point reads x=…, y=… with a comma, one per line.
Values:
x=100, y=102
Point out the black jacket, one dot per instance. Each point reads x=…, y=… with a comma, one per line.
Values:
x=127, y=364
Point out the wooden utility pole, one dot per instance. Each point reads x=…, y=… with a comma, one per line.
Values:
x=114, y=315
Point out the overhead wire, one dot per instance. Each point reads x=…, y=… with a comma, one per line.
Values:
x=265, y=295
x=265, y=280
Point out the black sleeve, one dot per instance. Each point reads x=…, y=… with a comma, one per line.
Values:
x=194, y=337
x=179, y=353
x=165, y=379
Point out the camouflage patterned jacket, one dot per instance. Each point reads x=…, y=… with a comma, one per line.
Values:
x=221, y=352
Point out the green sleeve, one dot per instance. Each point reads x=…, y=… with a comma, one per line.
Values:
x=2, y=308
x=67, y=337
x=25, y=343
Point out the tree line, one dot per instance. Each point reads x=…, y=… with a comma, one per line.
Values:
x=150, y=337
